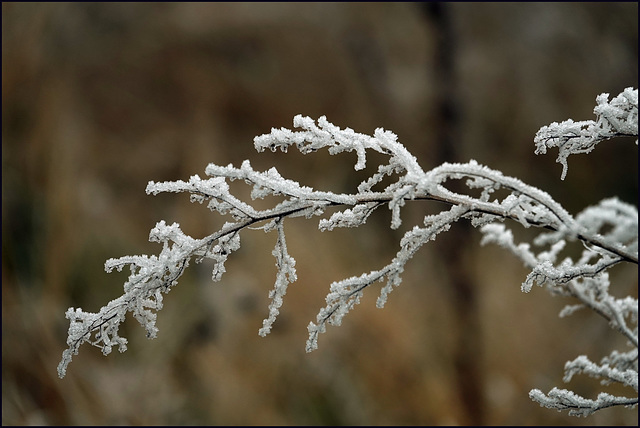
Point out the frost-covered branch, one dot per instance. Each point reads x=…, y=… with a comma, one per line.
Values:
x=492, y=201
x=587, y=279
x=621, y=371
x=618, y=118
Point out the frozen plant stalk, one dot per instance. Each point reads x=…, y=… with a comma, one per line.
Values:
x=608, y=230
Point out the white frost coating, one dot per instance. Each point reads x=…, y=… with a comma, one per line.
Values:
x=607, y=230
x=562, y=399
x=327, y=135
x=345, y=294
x=286, y=275
x=349, y=217
x=613, y=119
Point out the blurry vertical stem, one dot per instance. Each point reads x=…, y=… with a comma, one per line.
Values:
x=468, y=352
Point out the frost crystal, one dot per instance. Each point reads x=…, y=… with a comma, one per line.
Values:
x=607, y=230
x=617, y=118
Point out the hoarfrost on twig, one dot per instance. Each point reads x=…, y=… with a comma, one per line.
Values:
x=607, y=230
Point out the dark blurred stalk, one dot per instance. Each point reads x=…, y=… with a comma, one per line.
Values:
x=451, y=249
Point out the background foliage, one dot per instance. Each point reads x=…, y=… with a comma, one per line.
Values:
x=100, y=98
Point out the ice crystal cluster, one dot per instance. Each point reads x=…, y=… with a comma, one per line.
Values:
x=494, y=203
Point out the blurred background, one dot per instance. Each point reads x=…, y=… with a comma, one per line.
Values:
x=100, y=98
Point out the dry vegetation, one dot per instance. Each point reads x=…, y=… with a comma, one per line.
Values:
x=98, y=99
